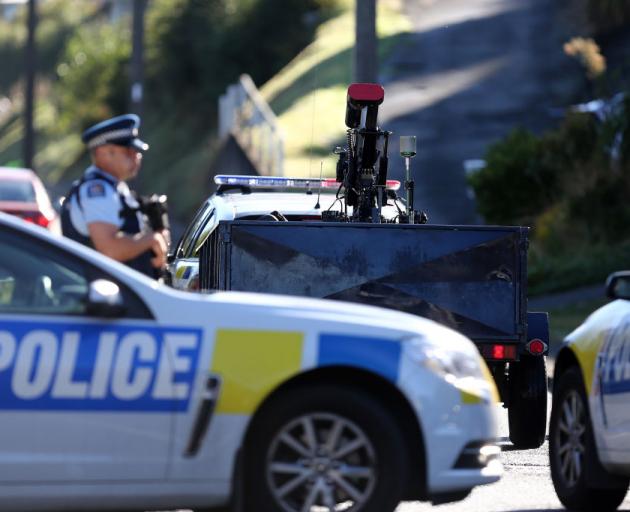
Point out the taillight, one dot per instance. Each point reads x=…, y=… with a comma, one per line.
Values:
x=498, y=351
x=536, y=347
x=36, y=218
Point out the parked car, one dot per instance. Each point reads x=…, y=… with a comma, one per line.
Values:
x=23, y=194
x=589, y=432
x=256, y=198
x=121, y=391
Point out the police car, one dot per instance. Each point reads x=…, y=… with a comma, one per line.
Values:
x=589, y=432
x=262, y=198
x=122, y=393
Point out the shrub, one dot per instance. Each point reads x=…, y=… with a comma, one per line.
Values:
x=608, y=15
x=588, y=53
x=195, y=48
x=526, y=174
x=515, y=185
x=92, y=83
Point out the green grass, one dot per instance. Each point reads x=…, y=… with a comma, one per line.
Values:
x=584, y=266
x=309, y=94
x=565, y=319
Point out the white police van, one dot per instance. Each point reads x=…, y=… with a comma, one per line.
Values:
x=589, y=431
x=121, y=393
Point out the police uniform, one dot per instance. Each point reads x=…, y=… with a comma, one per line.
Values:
x=100, y=197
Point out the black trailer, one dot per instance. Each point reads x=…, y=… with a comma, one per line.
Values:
x=470, y=278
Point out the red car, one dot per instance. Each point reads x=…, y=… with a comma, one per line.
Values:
x=22, y=193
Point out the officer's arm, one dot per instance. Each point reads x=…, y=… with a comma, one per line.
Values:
x=108, y=240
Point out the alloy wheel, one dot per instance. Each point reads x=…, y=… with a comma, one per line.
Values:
x=570, y=438
x=321, y=462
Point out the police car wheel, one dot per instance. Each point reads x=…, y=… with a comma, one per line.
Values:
x=326, y=448
x=527, y=407
x=572, y=445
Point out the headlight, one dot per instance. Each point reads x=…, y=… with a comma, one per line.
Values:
x=449, y=363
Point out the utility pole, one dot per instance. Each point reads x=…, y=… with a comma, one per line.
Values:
x=365, y=48
x=29, y=96
x=137, y=57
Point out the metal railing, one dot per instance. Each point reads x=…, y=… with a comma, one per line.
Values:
x=245, y=114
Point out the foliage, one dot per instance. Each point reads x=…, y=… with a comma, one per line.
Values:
x=526, y=174
x=195, y=48
x=183, y=49
x=588, y=53
x=513, y=185
x=579, y=265
x=57, y=20
x=571, y=190
x=309, y=94
x=92, y=75
x=608, y=15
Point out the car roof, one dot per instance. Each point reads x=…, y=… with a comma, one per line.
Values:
x=17, y=173
x=284, y=202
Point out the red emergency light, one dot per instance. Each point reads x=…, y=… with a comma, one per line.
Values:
x=366, y=93
x=498, y=351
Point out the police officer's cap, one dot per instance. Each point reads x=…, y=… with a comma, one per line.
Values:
x=120, y=130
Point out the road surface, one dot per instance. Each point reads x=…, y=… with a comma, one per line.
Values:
x=526, y=485
x=470, y=71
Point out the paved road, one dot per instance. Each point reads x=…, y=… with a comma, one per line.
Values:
x=526, y=485
x=470, y=71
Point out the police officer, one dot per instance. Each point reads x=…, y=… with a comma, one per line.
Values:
x=101, y=211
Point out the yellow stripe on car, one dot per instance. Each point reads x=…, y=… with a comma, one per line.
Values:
x=469, y=398
x=251, y=364
x=586, y=352
x=494, y=392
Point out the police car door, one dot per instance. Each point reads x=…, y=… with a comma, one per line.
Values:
x=74, y=403
x=614, y=375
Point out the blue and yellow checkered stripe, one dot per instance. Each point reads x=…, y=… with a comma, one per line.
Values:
x=252, y=363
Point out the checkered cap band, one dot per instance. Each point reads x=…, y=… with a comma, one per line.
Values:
x=108, y=137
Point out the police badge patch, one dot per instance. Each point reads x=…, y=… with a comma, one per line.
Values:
x=96, y=190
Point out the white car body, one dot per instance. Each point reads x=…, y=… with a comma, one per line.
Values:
x=602, y=348
x=234, y=205
x=97, y=412
x=589, y=431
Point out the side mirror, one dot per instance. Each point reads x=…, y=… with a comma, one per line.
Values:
x=618, y=285
x=105, y=299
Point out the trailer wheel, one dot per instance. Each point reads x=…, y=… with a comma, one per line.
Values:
x=325, y=447
x=527, y=406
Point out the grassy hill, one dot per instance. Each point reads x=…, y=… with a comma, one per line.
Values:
x=309, y=95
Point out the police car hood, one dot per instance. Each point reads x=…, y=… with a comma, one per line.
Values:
x=339, y=313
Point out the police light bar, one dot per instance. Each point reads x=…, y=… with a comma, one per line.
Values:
x=285, y=183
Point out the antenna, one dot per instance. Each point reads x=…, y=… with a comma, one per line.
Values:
x=408, y=151
x=319, y=190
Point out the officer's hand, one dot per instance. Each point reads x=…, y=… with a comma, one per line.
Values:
x=159, y=248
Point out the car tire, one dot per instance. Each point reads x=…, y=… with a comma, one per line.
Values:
x=325, y=445
x=527, y=405
x=569, y=479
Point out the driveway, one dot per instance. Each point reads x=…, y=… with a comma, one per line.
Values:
x=470, y=71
